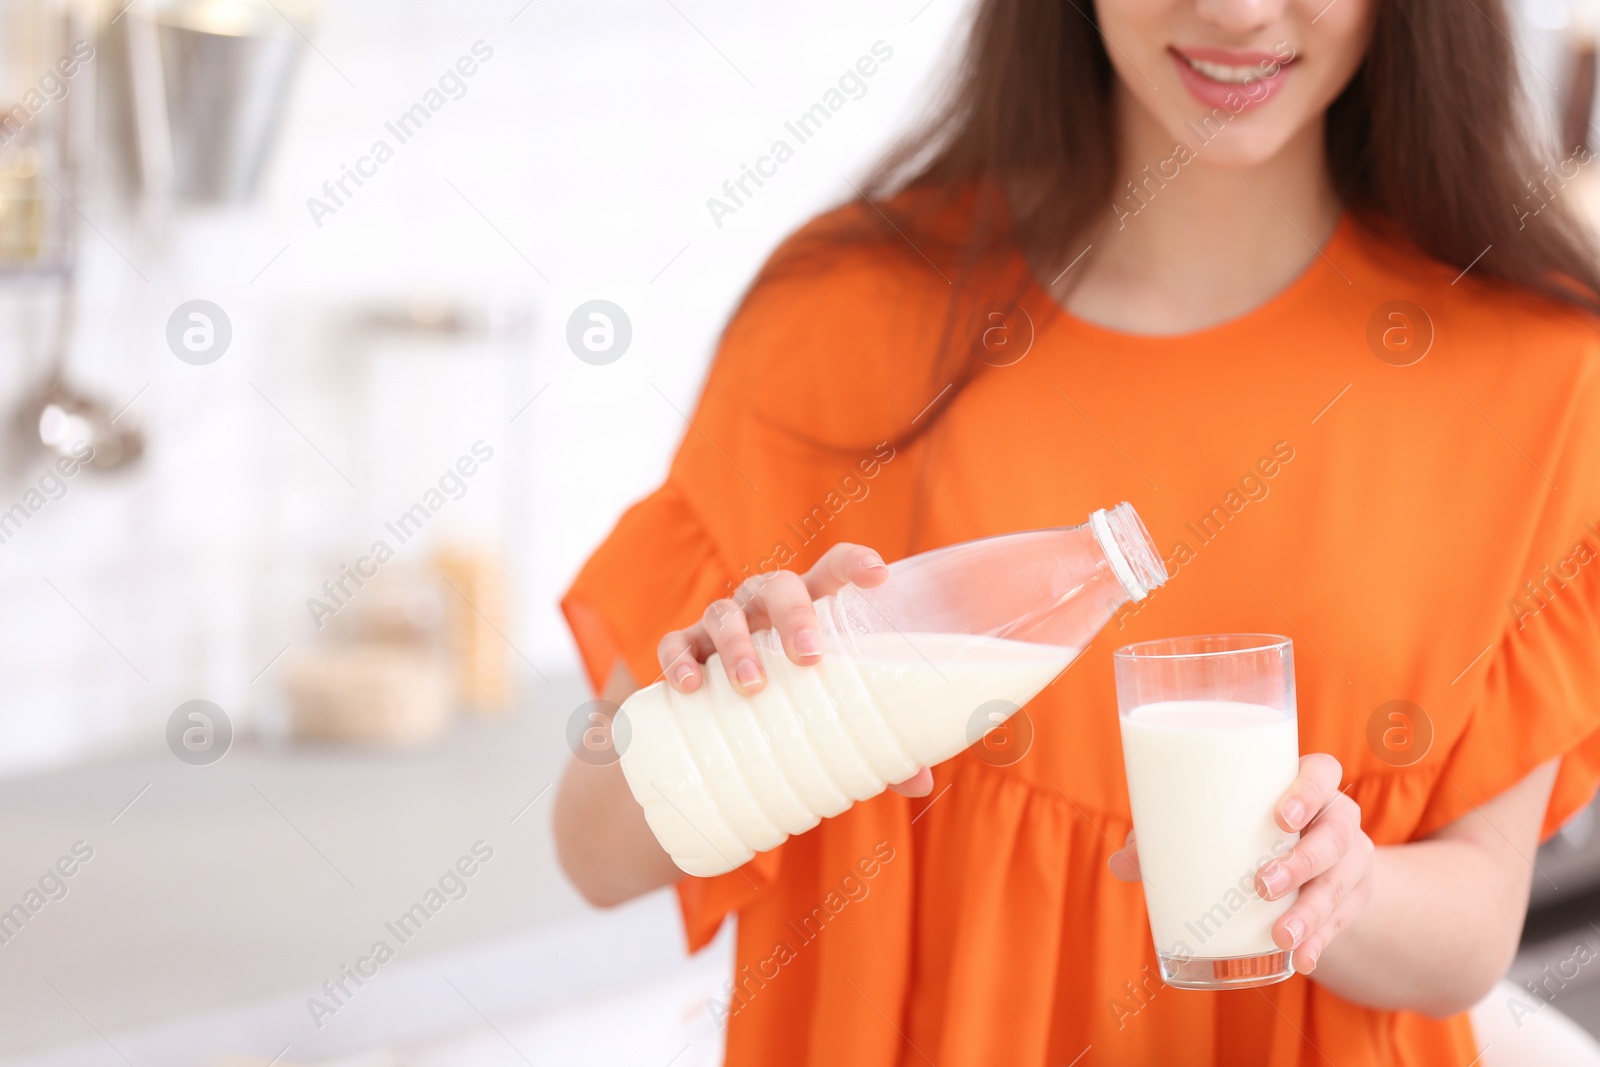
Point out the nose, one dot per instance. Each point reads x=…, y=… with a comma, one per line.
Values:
x=1240, y=17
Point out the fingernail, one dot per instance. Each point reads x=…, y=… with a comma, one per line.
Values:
x=808, y=643
x=1275, y=878
x=748, y=673
x=1296, y=930
x=1293, y=813
x=872, y=562
x=682, y=673
x=1310, y=962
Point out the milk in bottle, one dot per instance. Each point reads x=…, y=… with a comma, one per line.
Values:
x=904, y=669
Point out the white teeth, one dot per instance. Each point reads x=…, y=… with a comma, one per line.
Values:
x=1231, y=75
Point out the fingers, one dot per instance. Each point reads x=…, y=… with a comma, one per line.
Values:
x=846, y=564
x=1316, y=785
x=783, y=601
x=680, y=654
x=1331, y=865
x=1124, y=863
x=918, y=785
x=1326, y=905
x=1331, y=835
x=729, y=631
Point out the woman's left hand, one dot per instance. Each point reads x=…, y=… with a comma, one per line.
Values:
x=1331, y=865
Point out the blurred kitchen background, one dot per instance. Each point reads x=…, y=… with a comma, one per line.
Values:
x=283, y=651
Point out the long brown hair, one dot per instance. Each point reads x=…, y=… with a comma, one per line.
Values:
x=1427, y=145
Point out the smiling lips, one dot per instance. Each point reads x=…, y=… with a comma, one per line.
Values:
x=1225, y=78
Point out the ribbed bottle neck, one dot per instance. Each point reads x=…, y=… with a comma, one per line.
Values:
x=1130, y=551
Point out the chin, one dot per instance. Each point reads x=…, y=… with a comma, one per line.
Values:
x=1239, y=146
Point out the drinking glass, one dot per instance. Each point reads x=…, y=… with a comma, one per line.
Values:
x=1210, y=741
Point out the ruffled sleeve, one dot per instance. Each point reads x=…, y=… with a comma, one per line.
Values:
x=655, y=573
x=787, y=452
x=1539, y=680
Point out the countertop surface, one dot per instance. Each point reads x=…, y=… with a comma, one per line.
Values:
x=265, y=874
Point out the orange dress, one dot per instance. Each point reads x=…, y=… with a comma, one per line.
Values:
x=1425, y=533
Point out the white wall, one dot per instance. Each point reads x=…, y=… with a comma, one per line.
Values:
x=590, y=142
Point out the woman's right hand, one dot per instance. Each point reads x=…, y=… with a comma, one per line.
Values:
x=780, y=600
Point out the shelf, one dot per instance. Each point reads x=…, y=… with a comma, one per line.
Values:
x=36, y=270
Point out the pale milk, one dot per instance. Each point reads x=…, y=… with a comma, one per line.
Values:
x=1204, y=778
x=722, y=776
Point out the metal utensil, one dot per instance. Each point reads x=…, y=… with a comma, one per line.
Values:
x=227, y=66
x=57, y=417
x=62, y=419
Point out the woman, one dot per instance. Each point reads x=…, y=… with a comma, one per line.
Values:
x=1274, y=271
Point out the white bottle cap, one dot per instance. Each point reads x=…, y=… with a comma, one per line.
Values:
x=1129, y=550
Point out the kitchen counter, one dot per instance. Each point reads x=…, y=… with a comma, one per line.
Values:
x=215, y=900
